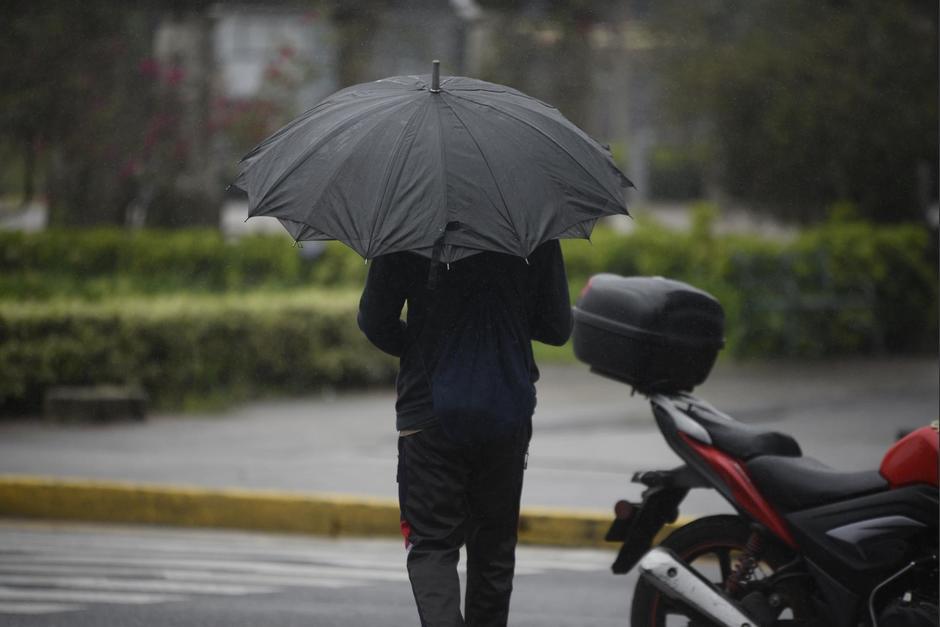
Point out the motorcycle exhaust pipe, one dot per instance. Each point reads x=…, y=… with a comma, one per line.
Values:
x=672, y=577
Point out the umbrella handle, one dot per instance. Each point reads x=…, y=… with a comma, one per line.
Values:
x=436, y=77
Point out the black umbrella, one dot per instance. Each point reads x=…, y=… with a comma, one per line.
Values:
x=396, y=164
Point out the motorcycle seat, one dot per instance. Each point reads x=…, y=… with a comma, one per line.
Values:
x=738, y=439
x=797, y=483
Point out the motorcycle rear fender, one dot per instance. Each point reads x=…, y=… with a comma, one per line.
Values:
x=636, y=525
x=693, y=444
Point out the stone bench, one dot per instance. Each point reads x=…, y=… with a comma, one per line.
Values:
x=99, y=403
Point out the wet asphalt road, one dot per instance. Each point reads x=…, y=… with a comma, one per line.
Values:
x=97, y=576
x=590, y=435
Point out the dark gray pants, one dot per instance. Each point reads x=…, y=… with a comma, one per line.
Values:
x=450, y=495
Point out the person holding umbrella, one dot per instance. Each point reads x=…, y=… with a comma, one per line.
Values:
x=457, y=190
x=461, y=483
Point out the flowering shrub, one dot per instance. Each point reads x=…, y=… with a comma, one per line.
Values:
x=244, y=122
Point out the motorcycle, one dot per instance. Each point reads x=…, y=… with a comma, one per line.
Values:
x=808, y=545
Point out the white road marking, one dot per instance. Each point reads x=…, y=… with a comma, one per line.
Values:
x=78, y=596
x=541, y=564
x=36, y=608
x=248, y=579
x=120, y=585
x=53, y=545
x=50, y=568
x=221, y=565
x=292, y=550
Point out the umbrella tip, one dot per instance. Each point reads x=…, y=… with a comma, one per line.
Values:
x=436, y=77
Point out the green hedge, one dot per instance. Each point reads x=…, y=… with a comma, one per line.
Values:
x=187, y=348
x=844, y=287
x=95, y=263
x=840, y=288
x=676, y=173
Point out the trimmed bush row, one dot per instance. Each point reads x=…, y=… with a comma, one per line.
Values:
x=187, y=348
x=95, y=263
x=845, y=287
x=841, y=288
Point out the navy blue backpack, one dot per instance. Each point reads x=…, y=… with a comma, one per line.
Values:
x=480, y=380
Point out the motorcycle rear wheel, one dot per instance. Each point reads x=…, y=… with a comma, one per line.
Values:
x=712, y=546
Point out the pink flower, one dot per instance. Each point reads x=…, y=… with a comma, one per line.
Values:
x=148, y=67
x=181, y=149
x=150, y=140
x=175, y=75
x=129, y=169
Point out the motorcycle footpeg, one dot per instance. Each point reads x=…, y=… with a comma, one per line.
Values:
x=661, y=568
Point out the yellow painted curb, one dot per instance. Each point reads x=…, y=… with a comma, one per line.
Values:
x=575, y=527
x=261, y=510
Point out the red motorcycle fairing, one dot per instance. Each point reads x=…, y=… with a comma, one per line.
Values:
x=913, y=459
x=743, y=489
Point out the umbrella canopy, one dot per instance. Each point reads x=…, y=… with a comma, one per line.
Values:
x=396, y=164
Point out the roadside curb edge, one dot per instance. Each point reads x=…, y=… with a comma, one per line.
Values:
x=23, y=496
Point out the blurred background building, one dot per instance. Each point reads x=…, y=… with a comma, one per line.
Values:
x=137, y=114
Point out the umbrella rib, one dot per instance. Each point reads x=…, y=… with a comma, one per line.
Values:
x=488, y=166
x=306, y=154
x=305, y=232
x=507, y=90
x=296, y=123
x=301, y=120
x=493, y=88
x=547, y=136
x=389, y=167
x=339, y=167
x=443, y=157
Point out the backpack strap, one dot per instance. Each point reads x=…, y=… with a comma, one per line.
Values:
x=434, y=274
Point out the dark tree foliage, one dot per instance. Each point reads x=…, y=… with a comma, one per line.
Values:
x=355, y=22
x=544, y=49
x=67, y=100
x=809, y=102
x=88, y=104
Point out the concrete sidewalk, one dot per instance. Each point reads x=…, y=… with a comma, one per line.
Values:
x=590, y=435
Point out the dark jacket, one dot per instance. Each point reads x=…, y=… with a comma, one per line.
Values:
x=535, y=290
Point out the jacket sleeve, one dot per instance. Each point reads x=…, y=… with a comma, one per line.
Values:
x=381, y=303
x=550, y=321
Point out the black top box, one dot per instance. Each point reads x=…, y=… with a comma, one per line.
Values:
x=658, y=335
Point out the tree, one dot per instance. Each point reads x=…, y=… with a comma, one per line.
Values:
x=808, y=102
x=544, y=49
x=60, y=71
x=91, y=107
x=356, y=22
